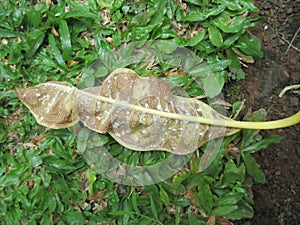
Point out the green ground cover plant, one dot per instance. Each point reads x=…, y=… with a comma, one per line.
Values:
x=49, y=176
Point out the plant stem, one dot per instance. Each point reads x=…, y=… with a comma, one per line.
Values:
x=286, y=122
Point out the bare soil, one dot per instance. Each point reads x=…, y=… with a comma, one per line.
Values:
x=277, y=201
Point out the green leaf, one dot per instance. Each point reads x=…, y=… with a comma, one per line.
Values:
x=164, y=196
x=175, y=189
x=245, y=210
x=153, y=207
x=98, y=140
x=209, y=156
x=101, y=72
x=263, y=144
x=117, y=38
x=35, y=40
x=201, y=70
x=180, y=178
x=215, y=36
x=253, y=168
x=196, y=39
x=74, y=217
x=134, y=201
x=230, y=39
x=34, y=16
x=45, y=220
x=193, y=17
x=227, y=24
x=195, y=2
x=205, y=194
x=179, y=14
x=197, y=16
x=231, y=198
x=213, y=84
x=218, y=65
x=120, y=213
x=224, y=211
x=82, y=138
x=36, y=161
x=65, y=39
x=165, y=46
x=232, y=4
x=91, y=180
x=233, y=174
x=56, y=52
x=18, y=16
x=4, y=33
x=214, y=11
x=79, y=14
x=250, y=46
x=160, y=9
x=249, y=135
x=249, y=4
x=193, y=220
x=235, y=66
x=87, y=79
x=181, y=202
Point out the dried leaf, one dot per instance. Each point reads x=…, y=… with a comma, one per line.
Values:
x=51, y=105
x=140, y=113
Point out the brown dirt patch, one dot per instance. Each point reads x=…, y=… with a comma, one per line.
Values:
x=277, y=201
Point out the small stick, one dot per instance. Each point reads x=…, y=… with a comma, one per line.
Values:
x=291, y=43
x=239, y=109
x=287, y=88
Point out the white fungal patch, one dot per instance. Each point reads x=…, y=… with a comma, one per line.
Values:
x=99, y=117
x=167, y=109
x=165, y=124
x=172, y=129
x=59, y=87
x=159, y=107
x=51, y=105
x=156, y=118
x=46, y=97
x=152, y=146
x=116, y=125
x=123, y=132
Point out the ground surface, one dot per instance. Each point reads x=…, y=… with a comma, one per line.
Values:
x=277, y=201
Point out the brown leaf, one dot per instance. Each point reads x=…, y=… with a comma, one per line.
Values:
x=51, y=105
x=134, y=110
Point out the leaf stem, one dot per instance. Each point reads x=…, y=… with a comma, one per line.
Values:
x=286, y=122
